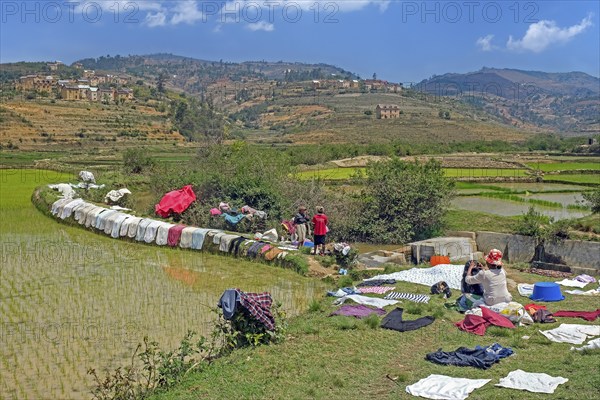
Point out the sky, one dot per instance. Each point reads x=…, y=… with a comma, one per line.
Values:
x=400, y=41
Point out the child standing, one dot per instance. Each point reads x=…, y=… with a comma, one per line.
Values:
x=302, y=228
x=320, y=229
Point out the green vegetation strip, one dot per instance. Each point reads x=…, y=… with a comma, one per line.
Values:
x=591, y=179
x=565, y=166
x=543, y=203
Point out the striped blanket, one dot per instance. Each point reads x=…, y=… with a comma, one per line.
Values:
x=417, y=298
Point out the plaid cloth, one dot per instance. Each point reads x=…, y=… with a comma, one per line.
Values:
x=259, y=306
x=376, y=289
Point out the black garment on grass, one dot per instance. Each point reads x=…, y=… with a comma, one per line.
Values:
x=394, y=321
x=479, y=357
x=377, y=282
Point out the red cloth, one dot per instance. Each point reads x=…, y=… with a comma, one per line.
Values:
x=587, y=315
x=532, y=308
x=320, y=221
x=174, y=235
x=176, y=201
x=477, y=325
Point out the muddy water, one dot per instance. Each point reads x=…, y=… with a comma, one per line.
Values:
x=539, y=187
x=510, y=208
x=563, y=198
x=72, y=299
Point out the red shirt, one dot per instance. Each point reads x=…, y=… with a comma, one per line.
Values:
x=320, y=222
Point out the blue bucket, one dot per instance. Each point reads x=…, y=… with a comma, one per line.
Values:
x=546, y=291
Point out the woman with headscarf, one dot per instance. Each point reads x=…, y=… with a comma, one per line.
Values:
x=492, y=278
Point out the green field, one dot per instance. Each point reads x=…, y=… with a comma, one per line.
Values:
x=565, y=166
x=72, y=299
x=593, y=179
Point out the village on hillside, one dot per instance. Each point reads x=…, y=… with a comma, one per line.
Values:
x=91, y=87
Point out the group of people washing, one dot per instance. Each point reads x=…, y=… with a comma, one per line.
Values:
x=318, y=223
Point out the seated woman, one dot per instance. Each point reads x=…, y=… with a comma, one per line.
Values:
x=492, y=278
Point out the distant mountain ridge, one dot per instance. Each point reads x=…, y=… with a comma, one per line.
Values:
x=565, y=102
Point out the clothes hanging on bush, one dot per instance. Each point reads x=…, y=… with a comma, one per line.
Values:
x=258, y=305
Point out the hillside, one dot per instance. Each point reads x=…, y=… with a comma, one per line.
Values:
x=194, y=76
x=567, y=103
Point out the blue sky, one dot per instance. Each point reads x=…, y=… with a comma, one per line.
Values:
x=401, y=41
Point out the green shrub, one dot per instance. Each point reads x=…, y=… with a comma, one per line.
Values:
x=345, y=281
x=137, y=161
x=593, y=198
x=372, y=321
x=296, y=262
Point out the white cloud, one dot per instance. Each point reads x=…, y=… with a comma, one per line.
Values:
x=156, y=19
x=186, y=12
x=485, y=43
x=542, y=34
x=261, y=26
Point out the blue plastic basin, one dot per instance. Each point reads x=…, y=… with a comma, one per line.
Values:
x=546, y=291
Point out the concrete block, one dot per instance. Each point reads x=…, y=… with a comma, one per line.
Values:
x=515, y=248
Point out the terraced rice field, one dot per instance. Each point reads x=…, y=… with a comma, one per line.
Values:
x=71, y=299
x=593, y=179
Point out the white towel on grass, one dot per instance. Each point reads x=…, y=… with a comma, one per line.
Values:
x=572, y=283
x=368, y=301
x=572, y=333
x=443, y=387
x=592, y=345
x=162, y=235
x=449, y=273
x=531, y=381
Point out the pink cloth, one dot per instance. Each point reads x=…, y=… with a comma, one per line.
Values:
x=174, y=235
x=478, y=325
x=215, y=211
x=376, y=289
x=176, y=201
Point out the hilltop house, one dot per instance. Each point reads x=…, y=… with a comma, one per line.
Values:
x=387, y=111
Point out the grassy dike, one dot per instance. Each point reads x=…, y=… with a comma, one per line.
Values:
x=344, y=358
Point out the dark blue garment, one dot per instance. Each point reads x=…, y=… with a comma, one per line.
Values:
x=479, y=357
x=229, y=301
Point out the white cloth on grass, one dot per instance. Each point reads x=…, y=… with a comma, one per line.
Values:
x=58, y=204
x=525, y=289
x=65, y=189
x=572, y=283
x=572, y=333
x=531, y=381
x=67, y=210
x=593, y=292
x=217, y=237
x=449, y=273
x=226, y=242
x=116, y=230
x=116, y=195
x=124, y=230
x=186, y=237
x=368, y=301
x=445, y=387
x=87, y=176
x=151, y=230
x=102, y=217
x=110, y=222
x=90, y=219
x=141, y=229
x=591, y=345
x=119, y=208
x=162, y=235
x=81, y=213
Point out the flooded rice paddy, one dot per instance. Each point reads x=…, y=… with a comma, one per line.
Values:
x=72, y=299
